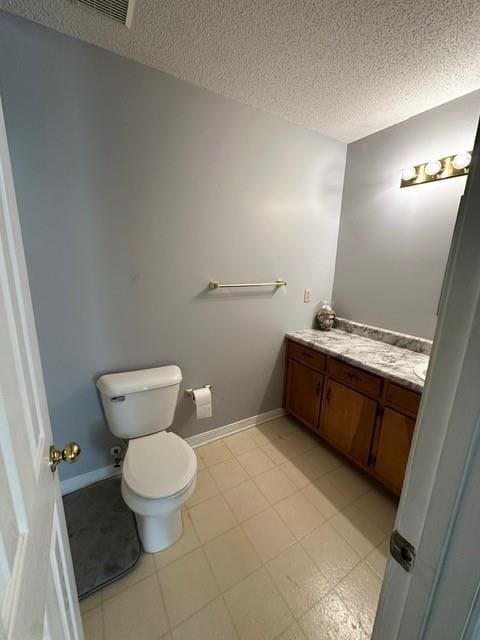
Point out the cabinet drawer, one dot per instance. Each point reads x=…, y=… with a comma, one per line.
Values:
x=403, y=398
x=356, y=377
x=311, y=358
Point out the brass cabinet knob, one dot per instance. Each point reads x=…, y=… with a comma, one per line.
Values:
x=69, y=454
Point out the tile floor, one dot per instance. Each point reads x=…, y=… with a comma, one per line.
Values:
x=283, y=539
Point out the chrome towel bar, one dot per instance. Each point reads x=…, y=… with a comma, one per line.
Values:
x=279, y=282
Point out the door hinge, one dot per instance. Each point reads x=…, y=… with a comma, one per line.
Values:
x=402, y=551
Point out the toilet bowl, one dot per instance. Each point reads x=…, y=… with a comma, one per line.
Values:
x=159, y=471
x=159, y=476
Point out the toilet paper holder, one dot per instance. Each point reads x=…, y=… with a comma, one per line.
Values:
x=189, y=392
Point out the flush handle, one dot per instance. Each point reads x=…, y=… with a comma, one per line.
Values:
x=69, y=454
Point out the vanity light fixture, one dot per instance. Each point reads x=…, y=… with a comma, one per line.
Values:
x=433, y=167
x=437, y=169
x=462, y=160
x=409, y=173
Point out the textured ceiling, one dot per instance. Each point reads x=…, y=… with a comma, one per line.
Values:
x=345, y=68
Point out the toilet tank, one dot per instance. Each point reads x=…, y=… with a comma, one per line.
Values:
x=138, y=403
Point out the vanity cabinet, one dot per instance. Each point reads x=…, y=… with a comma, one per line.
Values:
x=366, y=417
x=391, y=448
x=304, y=393
x=348, y=421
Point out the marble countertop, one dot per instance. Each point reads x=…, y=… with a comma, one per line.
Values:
x=395, y=363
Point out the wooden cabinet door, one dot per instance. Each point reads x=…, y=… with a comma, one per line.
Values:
x=304, y=392
x=392, y=448
x=349, y=420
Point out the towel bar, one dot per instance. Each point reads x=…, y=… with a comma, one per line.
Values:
x=279, y=282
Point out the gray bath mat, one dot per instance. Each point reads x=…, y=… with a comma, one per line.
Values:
x=103, y=535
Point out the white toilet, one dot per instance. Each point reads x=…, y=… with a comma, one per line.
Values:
x=159, y=468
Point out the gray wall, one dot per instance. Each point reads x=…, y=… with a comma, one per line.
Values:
x=134, y=190
x=393, y=243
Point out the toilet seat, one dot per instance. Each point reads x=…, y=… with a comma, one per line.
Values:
x=159, y=465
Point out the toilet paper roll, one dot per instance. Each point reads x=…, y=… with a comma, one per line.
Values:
x=203, y=402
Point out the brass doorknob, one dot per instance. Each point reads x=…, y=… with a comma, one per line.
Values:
x=69, y=454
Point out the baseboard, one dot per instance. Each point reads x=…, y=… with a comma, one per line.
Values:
x=85, y=479
x=234, y=427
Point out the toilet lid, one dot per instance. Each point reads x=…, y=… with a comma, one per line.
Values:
x=159, y=465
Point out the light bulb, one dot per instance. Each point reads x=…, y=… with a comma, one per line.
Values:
x=461, y=160
x=433, y=167
x=409, y=173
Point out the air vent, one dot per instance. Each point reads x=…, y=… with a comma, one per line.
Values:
x=119, y=10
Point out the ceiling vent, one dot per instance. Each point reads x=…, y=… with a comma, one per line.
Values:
x=119, y=10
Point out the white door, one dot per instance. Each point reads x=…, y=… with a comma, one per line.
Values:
x=439, y=512
x=38, y=598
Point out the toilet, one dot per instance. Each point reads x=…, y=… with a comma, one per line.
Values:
x=159, y=468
